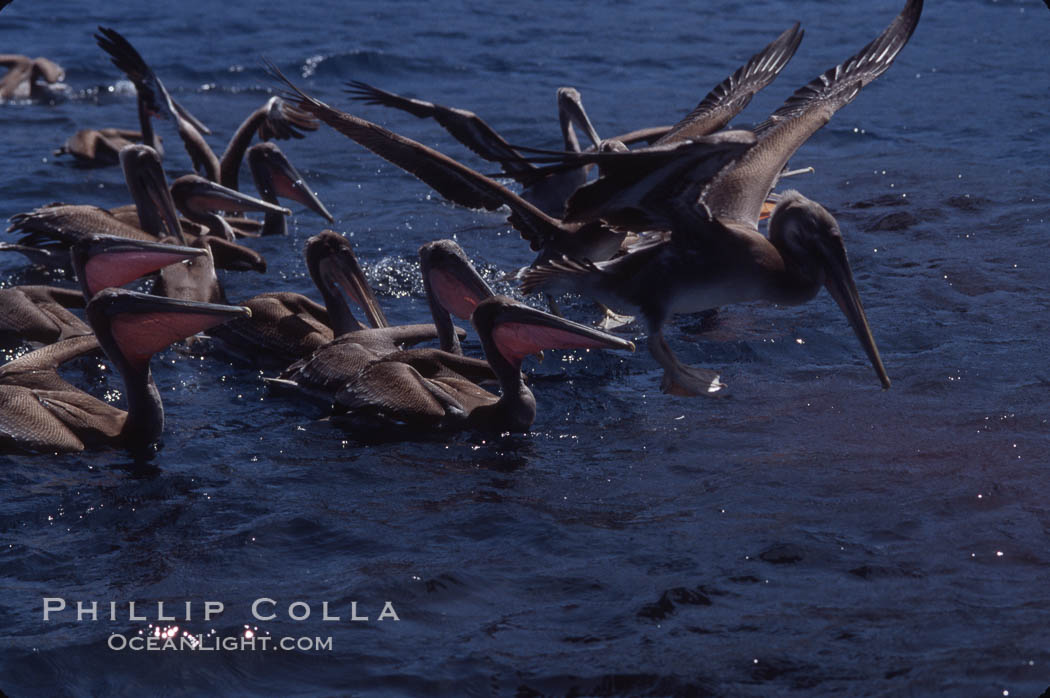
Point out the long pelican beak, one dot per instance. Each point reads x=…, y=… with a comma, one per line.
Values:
x=519, y=330
x=201, y=194
x=272, y=171
x=233, y=256
x=842, y=288
x=141, y=324
x=104, y=261
x=185, y=114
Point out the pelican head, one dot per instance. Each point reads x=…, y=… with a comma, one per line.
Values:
x=144, y=176
x=450, y=278
x=571, y=113
x=809, y=239
x=334, y=268
x=105, y=261
x=276, y=177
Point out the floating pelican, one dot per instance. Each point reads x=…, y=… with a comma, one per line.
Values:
x=452, y=285
x=424, y=389
x=286, y=326
x=274, y=176
x=41, y=314
x=24, y=76
x=41, y=412
x=59, y=225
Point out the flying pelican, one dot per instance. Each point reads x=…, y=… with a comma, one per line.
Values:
x=715, y=254
x=548, y=235
x=467, y=187
x=547, y=192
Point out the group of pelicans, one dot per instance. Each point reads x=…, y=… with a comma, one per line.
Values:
x=669, y=225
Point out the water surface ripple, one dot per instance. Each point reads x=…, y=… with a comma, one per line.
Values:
x=810, y=532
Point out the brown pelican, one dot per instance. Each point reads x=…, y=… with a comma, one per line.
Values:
x=199, y=199
x=40, y=313
x=24, y=76
x=462, y=185
x=274, y=119
x=324, y=372
x=286, y=326
x=152, y=96
x=452, y=285
x=423, y=389
x=103, y=146
x=715, y=254
x=41, y=412
x=274, y=176
x=546, y=192
x=152, y=218
x=102, y=261
x=150, y=192
x=550, y=236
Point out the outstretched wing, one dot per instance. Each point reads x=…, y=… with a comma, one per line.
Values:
x=465, y=126
x=453, y=180
x=730, y=96
x=738, y=193
x=147, y=85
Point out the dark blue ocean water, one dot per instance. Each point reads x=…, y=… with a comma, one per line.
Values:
x=809, y=533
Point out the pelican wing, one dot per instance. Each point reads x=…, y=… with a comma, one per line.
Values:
x=284, y=121
x=730, y=96
x=636, y=186
x=70, y=222
x=147, y=85
x=465, y=126
x=454, y=181
x=738, y=193
x=26, y=424
x=39, y=313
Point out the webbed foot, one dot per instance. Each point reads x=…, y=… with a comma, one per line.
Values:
x=691, y=381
